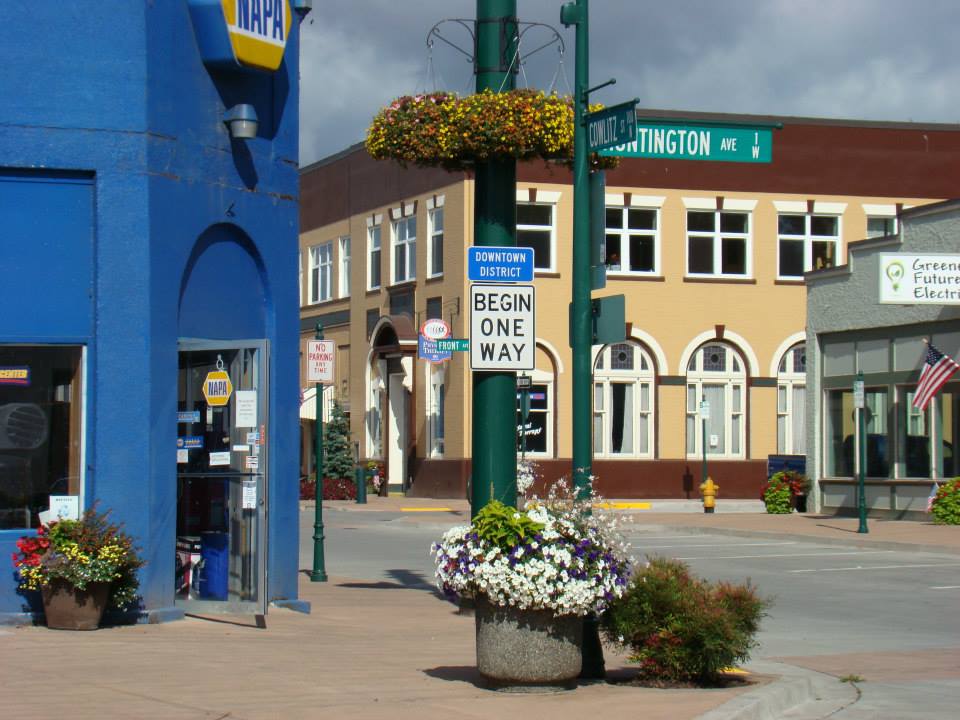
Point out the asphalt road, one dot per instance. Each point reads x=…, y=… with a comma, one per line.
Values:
x=888, y=616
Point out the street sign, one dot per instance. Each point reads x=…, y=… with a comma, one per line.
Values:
x=697, y=141
x=704, y=409
x=320, y=361
x=499, y=264
x=217, y=388
x=432, y=332
x=502, y=333
x=858, y=395
x=615, y=125
x=524, y=382
x=453, y=345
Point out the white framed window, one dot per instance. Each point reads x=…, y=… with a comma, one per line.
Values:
x=623, y=402
x=344, y=266
x=881, y=226
x=536, y=228
x=435, y=243
x=806, y=241
x=321, y=272
x=791, y=401
x=537, y=429
x=715, y=375
x=632, y=240
x=404, y=249
x=436, y=406
x=718, y=243
x=373, y=256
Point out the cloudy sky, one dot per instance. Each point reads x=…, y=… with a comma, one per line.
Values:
x=867, y=59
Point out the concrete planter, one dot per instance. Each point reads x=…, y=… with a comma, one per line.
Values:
x=527, y=648
x=69, y=608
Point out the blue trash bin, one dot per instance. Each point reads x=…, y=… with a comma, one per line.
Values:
x=214, y=565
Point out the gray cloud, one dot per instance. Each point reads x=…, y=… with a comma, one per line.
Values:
x=867, y=59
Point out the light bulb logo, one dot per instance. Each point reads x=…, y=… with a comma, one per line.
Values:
x=895, y=273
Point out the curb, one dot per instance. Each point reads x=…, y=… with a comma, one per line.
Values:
x=795, y=693
x=801, y=537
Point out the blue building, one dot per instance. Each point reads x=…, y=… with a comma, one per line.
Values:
x=147, y=247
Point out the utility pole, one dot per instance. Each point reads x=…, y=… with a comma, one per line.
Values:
x=859, y=403
x=581, y=326
x=494, y=473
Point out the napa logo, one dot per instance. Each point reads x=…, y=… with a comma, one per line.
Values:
x=249, y=33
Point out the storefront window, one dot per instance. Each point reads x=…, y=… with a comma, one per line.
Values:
x=950, y=431
x=841, y=433
x=41, y=423
x=536, y=430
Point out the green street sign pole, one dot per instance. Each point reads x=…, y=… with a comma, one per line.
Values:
x=319, y=573
x=494, y=474
x=860, y=403
x=581, y=328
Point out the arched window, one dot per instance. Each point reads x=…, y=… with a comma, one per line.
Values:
x=716, y=401
x=791, y=393
x=623, y=402
x=535, y=409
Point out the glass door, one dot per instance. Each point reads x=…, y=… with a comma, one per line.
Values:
x=221, y=477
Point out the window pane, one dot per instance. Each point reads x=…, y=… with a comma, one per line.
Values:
x=691, y=398
x=621, y=418
x=822, y=254
x=716, y=424
x=799, y=435
x=734, y=256
x=839, y=433
x=621, y=356
x=878, y=449
x=436, y=254
x=792, y=224
x=782, y=434
x=643, y=434
x=614, y=218
x=781, y=398
x=791, y=258
x=880, y=226
x=700, y=221
x=714, y=358
x=642, y=219
x=598, y=397
x=735, y=395
x=735, y=434
x=598, y=433
x=641, y=253
x=800, y=359
x=823, y=225
x=375, y=269
x=40, y=429
x=700, y=255
x=438, y=221
x=539, y=240
x=733, y=222
x=534, y=214
x=645, y=397
x=613, y=256
x=691, y=434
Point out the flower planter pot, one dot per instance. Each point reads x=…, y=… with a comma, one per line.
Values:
x=800, y=503
x=519, y=649
x=68, y=608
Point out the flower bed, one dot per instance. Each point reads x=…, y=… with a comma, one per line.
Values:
x=946, y=503
x=780, y=492
x=340, y=489
x=444, y=130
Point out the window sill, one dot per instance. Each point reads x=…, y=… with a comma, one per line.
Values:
x=729, y=280
x=633, y=277
x=374, y=291
x=546, y=274
x=434, y=278
x=403, y=285
x=788, y=281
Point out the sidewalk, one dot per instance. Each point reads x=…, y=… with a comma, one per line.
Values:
x=378, y=650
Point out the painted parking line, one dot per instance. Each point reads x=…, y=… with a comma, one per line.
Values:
x=715, y=545
x=424, y=509
x=945, y=587
x=623, y=505
x=878, y=567
x=785, y=555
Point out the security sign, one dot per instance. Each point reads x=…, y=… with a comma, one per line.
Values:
x=217, y=388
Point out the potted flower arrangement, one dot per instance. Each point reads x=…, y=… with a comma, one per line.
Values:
x=445, y=130
x=377, y=478
x=79, y=567
x=785, y=491
x=533, y=574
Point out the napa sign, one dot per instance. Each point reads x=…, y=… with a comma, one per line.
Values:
x=245, y=33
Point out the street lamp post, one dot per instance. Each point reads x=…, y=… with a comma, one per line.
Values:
x=859, y=402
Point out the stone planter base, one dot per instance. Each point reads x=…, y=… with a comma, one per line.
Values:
x=527, y=649
x=67, y=608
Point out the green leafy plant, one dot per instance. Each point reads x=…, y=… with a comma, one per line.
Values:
x=946, y=504
x=504, y=526
x=89, y=550
x=337, y=448
x=680, y=628
x=444, y=130
x=780, y=490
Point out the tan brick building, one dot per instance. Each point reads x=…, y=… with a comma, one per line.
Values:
x=710, y=258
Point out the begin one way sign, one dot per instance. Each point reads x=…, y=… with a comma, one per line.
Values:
x=502, y=335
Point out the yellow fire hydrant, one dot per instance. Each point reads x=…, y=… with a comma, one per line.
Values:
x=709, y=491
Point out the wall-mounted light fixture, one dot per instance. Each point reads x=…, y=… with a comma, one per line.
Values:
x=241, y=121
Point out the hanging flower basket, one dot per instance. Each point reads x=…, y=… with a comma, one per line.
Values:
x=445, y=130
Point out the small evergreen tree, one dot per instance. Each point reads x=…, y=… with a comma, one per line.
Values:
x=337, y=448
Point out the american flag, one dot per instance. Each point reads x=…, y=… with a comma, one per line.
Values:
x=937, y=369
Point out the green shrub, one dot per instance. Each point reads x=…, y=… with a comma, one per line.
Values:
x=946, y=504
x=504, y=526
x=680, y=628
x=778, y=493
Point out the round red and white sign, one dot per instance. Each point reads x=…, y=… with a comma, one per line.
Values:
x=435, y=329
